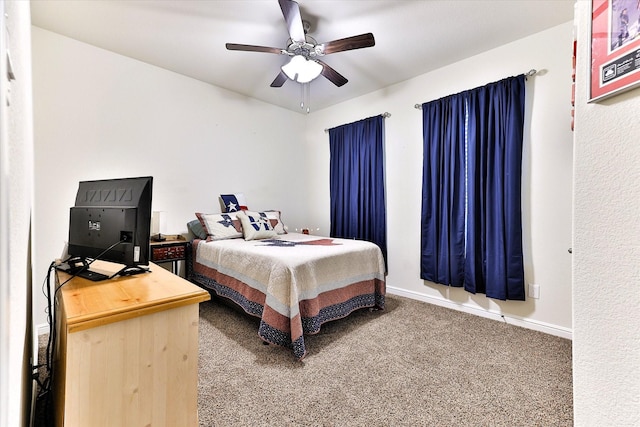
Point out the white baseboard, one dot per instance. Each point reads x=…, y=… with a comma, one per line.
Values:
x=535, y=325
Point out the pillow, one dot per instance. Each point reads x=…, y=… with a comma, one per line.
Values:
x=220, y=226
x=255, y=225
x=275, y=220
x=234, y=202
x=197, y=229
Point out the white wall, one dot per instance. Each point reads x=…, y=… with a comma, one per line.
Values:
x=547, y=174
x=17, y=180
x=101, y=115
x=606, y=287
x=85, y=96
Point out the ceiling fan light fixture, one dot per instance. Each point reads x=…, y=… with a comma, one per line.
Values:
x=301, y=69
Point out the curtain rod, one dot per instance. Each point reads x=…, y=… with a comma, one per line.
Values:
x=529, y=73
x=385, y=115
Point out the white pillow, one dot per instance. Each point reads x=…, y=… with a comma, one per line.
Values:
x=255, y=225
x=220, y=226
x=275, y=219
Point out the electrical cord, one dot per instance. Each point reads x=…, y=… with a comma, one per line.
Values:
x=44, y=394
x=44, y=398
x=86, y=266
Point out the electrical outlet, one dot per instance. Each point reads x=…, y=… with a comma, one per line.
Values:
x=534, y=291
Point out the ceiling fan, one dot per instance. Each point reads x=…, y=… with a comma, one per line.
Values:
x=304, y=51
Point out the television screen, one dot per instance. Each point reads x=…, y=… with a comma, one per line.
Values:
x=111, y=221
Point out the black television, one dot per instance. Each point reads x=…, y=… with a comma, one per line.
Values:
x=110, y=221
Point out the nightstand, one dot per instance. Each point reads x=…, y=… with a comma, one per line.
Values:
x=172, y=250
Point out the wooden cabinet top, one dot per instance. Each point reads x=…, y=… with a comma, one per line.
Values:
x=88, y=304
x=170, y=239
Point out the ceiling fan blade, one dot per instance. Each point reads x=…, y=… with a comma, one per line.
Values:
x=332, y=75
x=252, y=48
x=291, y=13
x=279, y=80
x=349, y=43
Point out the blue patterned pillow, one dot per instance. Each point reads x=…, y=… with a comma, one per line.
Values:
x=220, y=226
x=234, y=202
x=256, y=225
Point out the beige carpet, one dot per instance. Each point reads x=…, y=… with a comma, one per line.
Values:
x=411, y=364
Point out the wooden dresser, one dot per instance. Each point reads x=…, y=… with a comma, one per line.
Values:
x=127, y=350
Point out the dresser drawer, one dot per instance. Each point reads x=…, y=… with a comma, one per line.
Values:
x=168, y=253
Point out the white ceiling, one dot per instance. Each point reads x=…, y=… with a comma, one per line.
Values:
x=188, y=37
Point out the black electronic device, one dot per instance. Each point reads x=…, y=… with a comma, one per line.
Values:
x=111, y=221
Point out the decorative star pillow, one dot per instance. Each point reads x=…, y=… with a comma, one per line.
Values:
x=220, y=226
x=234, y=202
x=255, y=225
x=275, y=219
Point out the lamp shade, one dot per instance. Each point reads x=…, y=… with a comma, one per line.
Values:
x=302, y=69
x=158, y=222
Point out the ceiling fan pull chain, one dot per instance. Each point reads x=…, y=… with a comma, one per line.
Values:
x=305, y=96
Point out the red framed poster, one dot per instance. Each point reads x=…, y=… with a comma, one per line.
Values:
x=615, y=47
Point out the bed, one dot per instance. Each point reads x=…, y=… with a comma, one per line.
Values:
x=293, y=282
